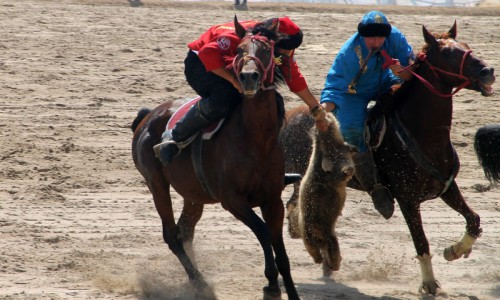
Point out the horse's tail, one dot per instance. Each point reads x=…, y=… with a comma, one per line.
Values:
x=487, y=147
x=143, y=112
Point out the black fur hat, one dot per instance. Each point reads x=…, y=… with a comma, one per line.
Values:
x=291, y=42
x=291, y=35
x=373, y=24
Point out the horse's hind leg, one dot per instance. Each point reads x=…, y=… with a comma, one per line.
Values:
x=175, y=236
x=453, y=197
x=191, y=214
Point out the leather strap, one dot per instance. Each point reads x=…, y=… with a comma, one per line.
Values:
x=196, y=150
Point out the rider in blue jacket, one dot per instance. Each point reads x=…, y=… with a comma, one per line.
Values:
x=356, y=77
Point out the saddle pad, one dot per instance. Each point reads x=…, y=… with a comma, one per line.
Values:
x=208, y=132
x=179, y=113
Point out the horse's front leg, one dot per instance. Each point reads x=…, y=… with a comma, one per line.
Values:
x=411, y=213
x=453, y=197
x=240, y=208
x=273, y=214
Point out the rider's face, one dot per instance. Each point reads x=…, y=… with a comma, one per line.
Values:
x=375, y=42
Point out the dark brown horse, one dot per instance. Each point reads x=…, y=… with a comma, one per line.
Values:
x=487, y=147
x=416, y=159
x=243, y=167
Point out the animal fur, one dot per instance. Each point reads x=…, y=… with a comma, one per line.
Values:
x=322, y=195
x=487, y=147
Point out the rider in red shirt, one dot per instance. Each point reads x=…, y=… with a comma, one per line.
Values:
x=207, y=72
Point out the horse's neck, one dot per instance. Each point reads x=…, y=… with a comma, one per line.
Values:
x=260, y=115
x=426, y=114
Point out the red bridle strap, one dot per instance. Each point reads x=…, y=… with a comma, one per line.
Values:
x=239, y=61
x=423, y=57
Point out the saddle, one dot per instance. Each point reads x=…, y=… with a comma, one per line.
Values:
x=206, y=134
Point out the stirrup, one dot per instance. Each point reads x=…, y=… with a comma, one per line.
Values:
x=157, y=148
x=169, y=149
x=166, y=151
x=292, y=178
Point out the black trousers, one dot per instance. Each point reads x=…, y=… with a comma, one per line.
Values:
x=220, y=97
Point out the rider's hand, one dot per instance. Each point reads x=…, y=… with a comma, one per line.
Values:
x=319, y=115
x=396, y=68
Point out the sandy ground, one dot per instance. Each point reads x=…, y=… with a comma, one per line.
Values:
x=77, y=221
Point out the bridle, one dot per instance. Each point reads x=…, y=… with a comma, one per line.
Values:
x=423, y=58
x=240, y=60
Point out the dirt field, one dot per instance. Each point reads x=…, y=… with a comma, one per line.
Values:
x=77, y=221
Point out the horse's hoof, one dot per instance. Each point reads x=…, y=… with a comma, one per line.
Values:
x=272, y=293
x=204, y=291
x=462, y=248
x=432, y=288
x=449, y=254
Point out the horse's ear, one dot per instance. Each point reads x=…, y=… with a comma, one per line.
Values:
x=453, y=31
x=428, y=37
x=239, y=29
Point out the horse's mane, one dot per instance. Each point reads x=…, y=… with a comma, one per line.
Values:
x=402, y=91
x=424, y=49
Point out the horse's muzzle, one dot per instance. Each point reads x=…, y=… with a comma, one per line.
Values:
x=486, y=80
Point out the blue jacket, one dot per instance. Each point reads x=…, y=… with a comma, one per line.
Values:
x=351, y=107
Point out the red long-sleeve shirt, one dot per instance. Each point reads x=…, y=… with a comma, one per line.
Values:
x=217, y=48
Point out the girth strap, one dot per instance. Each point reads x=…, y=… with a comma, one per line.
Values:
x=197, y=165
x=420, y=158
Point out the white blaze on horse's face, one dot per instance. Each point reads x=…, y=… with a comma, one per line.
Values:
x=249, y=76
x=252, y=64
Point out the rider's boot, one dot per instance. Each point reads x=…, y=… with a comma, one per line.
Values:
x=172, y=143
x=366, y=173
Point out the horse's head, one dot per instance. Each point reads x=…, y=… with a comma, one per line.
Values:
x=455, y=64
x=254, y=63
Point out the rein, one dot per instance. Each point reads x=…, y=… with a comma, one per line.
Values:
x=238, y=61
x=423, y=57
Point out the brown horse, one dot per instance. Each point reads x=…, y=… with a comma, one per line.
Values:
x=416, y=159
x=243, y=167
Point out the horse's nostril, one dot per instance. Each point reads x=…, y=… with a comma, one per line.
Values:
x=255, y=76
x=486, y=72
x=242, y=77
